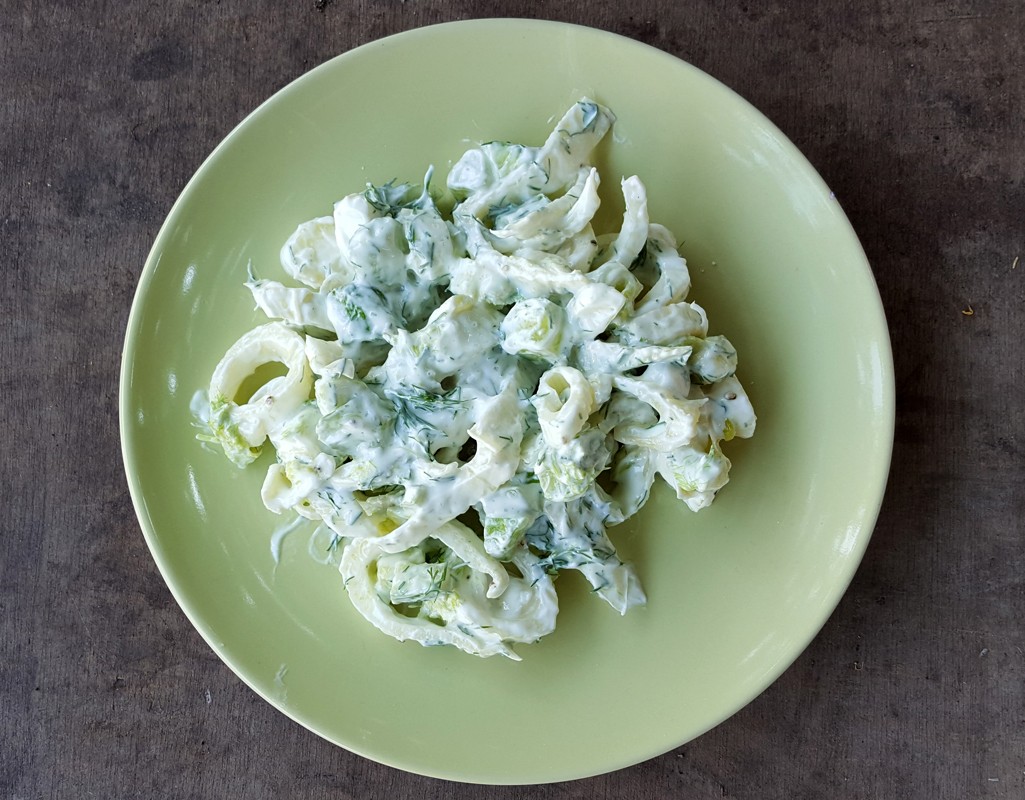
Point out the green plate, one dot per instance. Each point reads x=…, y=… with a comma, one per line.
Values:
x=735, y=592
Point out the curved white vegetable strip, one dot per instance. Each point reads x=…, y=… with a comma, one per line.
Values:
x=311, y=253
x=578, y=251
x=499, y=279
x=536, y=327
x=302, y=467
x=593, y=308
x=302, y=307
x=242, y=429
x=550, y=226
x=524, y=171
x=730, y=408
x=634, y=473
x=569, y=146
x=280, y=493
x=678, y=418
x=502, y=279
x=430, y=243
x=663, y=325
x=498, y=433
x=470, y=548
x=695, y=474
x=634, y=232
x=673, y=282
x=356, y=564
x=614, y=274
x=321, y=354
x=564, y=400
x=611, y=357
x=582, y=543
x=350, y=214
x=526, y=612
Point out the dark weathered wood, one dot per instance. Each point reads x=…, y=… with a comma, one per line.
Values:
x=913, y=112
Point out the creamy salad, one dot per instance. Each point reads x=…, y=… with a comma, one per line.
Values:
x=456, y=382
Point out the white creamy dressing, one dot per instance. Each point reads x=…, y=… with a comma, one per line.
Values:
x=482, y=367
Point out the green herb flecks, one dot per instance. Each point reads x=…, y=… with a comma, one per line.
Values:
x=392, y=197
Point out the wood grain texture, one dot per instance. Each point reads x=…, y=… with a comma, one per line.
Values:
x=913, y=113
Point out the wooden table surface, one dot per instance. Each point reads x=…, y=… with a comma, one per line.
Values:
x=912, y=112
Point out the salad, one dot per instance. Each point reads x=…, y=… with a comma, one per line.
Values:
x=473, y=391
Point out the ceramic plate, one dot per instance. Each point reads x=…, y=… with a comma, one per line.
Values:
x=735, y=592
